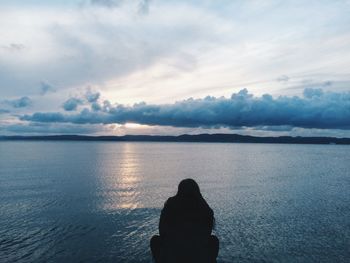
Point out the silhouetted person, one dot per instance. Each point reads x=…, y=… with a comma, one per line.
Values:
x=185, y=227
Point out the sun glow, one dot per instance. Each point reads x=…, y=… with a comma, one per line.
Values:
x=131, y=125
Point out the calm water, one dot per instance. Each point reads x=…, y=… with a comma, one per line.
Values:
x=100, y=201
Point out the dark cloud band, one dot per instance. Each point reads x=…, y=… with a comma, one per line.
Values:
x=316, y=109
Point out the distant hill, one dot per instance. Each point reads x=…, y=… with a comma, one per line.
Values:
x=227, y=138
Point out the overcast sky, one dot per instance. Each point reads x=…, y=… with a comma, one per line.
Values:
x=172, y=67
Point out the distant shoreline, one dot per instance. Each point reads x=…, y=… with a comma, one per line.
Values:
x=224, y=138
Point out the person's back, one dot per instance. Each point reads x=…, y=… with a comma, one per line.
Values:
x=185, y=228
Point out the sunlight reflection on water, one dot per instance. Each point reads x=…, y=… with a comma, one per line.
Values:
x=122, y=180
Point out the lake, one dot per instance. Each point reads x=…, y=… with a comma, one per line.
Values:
x=101, y=201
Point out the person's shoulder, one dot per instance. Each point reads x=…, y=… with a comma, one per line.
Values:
x=168, y=207
x=170, y=201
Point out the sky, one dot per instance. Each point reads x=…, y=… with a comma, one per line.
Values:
x=166, y=67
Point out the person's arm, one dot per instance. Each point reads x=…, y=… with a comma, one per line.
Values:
x=164, y=219
x=210, y=221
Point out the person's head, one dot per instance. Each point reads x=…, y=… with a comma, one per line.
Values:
x=188, y=192
x=189, y=188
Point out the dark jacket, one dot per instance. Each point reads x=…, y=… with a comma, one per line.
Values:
x=185, y=227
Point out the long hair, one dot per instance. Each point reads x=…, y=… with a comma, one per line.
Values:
x=189, y=189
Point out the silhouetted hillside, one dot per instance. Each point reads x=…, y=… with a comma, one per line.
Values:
x=230, y=138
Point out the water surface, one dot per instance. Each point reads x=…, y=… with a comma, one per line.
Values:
x=101, y=201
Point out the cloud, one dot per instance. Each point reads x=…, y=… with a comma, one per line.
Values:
x=98, y=45
x=72, y=104
x=310, y=93
x=283, y=78
x=92, y=96
x=96, y=107
x=46, y=88
x=280, y=128
x=19, y=103
x=3, y=111
x=143, y=7
x=322, y=110
x=52, y=128
x=107, y=3
x=13, y=47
